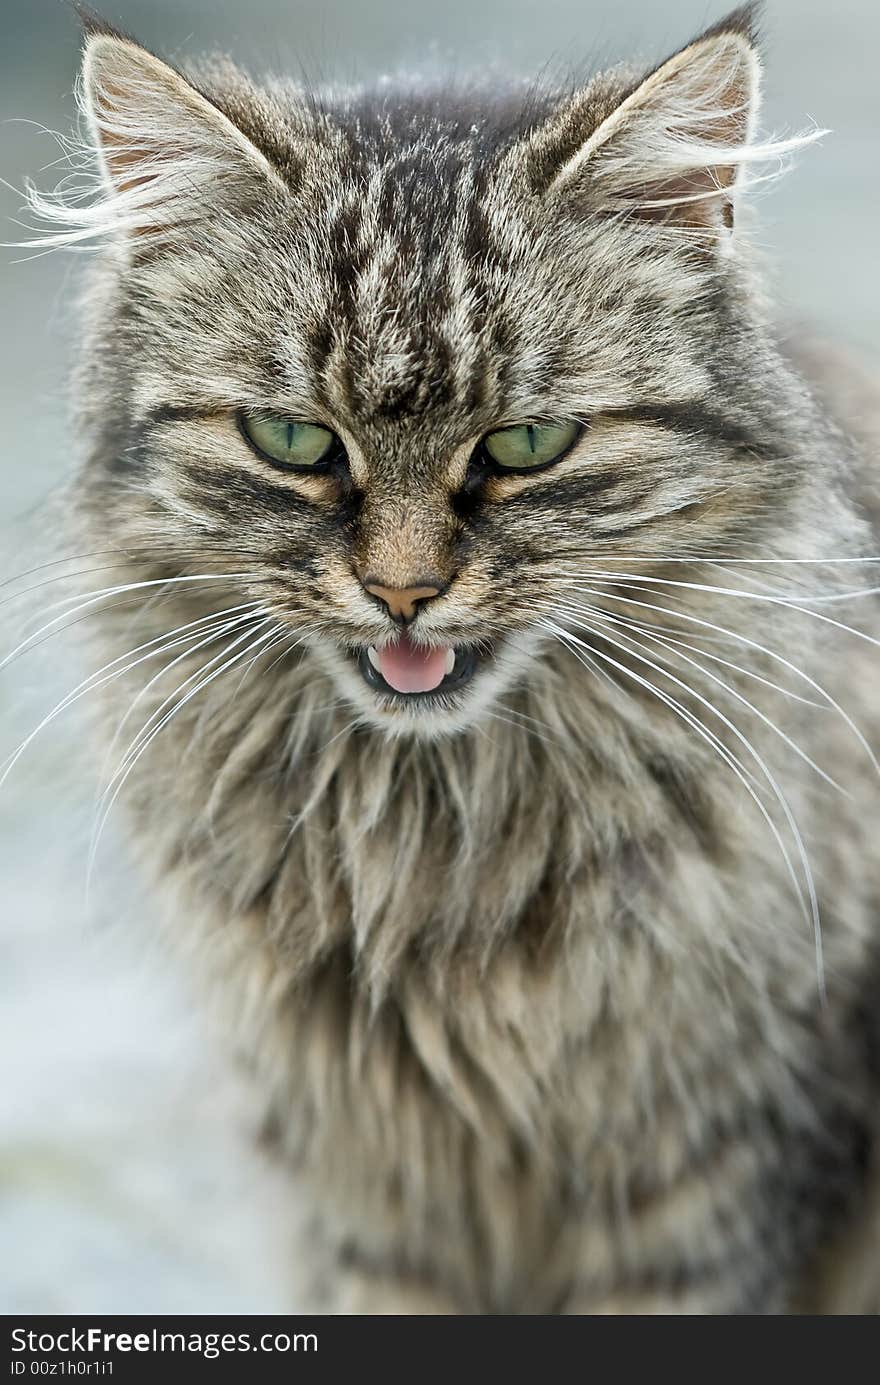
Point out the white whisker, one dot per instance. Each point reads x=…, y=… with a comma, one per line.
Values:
x=624, y=579
x=154, y=647
x=215, y=632
x=143, y=743
x=813, y=911
x=752, y=644
x=597, y=614
x=526, y=730
x=117, y=591
x=156, y=715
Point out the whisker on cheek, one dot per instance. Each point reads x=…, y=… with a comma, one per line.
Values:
x=110, y=672
x=153, y=727
x=749, y=643
x=809, y=905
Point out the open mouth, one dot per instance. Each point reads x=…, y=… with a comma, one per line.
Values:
x=410, y=671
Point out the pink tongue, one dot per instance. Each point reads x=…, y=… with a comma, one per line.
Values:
x=410, y=670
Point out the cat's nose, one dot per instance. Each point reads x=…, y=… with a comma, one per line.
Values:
x=402, y=603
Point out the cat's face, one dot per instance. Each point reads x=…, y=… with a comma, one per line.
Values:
x=417, y=375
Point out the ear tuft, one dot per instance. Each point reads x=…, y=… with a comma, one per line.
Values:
x=745, y=21
x=93, y=24
x=164, y=151
x=160, y=141
x=674, y=147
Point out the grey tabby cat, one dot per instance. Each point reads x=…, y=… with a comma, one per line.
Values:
x=504, y=724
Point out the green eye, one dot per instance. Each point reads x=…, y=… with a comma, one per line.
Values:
x=288, y=443
x=530, y=445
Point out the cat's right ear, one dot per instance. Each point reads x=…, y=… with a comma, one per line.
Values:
x=671, y=149
x=162, y=145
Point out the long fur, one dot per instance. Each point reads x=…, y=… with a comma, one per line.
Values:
x=560, y=990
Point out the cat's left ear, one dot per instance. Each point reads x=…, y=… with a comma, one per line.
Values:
x=672, y=148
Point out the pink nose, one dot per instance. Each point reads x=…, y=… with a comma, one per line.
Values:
x=402, y=602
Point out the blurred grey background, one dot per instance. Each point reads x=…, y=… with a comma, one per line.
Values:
x=126, y=1178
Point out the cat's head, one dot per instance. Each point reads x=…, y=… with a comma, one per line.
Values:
x=417, y=363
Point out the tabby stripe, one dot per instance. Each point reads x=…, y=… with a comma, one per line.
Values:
x=694, y=419
x=242, y=487
x=176, y=413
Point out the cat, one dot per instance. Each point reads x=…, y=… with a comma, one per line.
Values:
x=505, y=712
